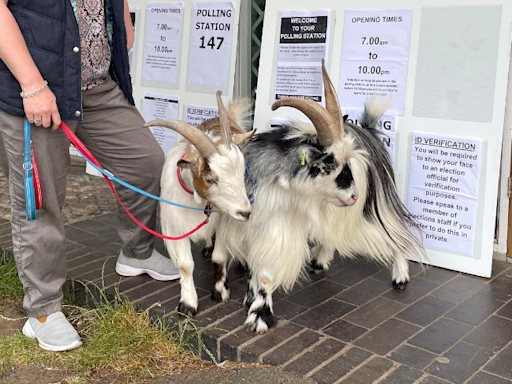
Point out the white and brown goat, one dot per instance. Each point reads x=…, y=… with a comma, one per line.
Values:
x=211, y=166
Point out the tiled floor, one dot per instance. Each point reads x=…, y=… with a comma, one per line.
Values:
x=345, y=326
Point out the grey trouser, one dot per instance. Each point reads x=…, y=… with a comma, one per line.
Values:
x=112, y=130
x=4, y=165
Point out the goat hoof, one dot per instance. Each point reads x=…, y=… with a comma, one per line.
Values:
x=269, y=320
x=316, y=268
x=220, y=295
x=260, y=325
x=263, y=321
x=400, y=285
x=216, y=295
x=186, y=309
x=207, y=252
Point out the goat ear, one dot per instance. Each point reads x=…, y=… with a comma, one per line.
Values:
x=241, y=139
x=202, y=166
x=188, y=161
x=310, y=155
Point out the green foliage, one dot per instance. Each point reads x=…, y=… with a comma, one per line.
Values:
x=20, y=350
x=117, y=337
x=10, y=285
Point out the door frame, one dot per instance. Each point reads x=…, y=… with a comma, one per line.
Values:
x=503, y=240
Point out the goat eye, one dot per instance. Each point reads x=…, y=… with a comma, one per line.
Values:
x=211, y=181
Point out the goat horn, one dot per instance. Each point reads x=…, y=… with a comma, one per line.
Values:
x=331, y=101
x=324, y=123
x=198, y=138
x=224, y=122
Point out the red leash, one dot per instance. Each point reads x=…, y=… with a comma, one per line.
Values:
x=89, y=156
x=38, y=193
x=181, y=181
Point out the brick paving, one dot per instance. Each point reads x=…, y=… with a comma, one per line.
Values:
x=345, y=326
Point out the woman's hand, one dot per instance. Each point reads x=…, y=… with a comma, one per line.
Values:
x=41, y=109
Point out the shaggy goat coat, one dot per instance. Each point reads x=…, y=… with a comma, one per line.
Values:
x=379, y=226
x=293, y=180
x=219, y=180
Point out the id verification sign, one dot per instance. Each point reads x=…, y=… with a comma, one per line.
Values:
x=443, y=190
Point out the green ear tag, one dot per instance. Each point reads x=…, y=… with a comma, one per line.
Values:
x=303, y=158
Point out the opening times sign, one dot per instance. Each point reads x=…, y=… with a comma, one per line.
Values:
x=162, y=42
x=443, y=190
x=375, y=56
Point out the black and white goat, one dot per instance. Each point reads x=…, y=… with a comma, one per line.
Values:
x=380, y=224
x=292, y=176
x=211, y=167
x=299, y=177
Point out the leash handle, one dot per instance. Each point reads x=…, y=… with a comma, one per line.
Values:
x=38, y=192
x=28, y=174
x=89, y=157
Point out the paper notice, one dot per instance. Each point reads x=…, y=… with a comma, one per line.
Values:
x=156, y=106
x=375, y=56
x=196, y=114
x=210, y=44
x=162, y=41
x=303, y=42
x=443, y=190
x=278, y=123
x=386, y=125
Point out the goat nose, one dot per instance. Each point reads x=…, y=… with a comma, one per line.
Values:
x=245, y=214
x=354, y=197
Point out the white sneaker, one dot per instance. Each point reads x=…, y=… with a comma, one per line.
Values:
x=157, y=266
x=55, y=334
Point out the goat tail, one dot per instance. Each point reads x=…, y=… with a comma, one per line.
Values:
x=240, y=112
x=374, y=108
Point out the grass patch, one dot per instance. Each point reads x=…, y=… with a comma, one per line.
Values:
x=136, y=345
x=10, y=285
x=117, y=338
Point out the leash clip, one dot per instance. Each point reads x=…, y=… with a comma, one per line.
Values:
x=208, y=211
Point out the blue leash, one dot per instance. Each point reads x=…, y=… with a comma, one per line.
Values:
x=28, y=175
x=119, y=181
x=251, y=194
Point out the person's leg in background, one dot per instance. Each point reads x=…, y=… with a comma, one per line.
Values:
x=113, y=131
x=39, y=245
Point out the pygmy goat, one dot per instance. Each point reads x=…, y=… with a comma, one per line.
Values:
x=380, y=224
x=206, y=168
x=292, y=176
x=293, y=173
